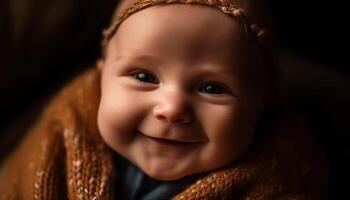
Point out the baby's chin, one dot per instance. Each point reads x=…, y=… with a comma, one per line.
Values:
x=164, y=176
x=166, y=171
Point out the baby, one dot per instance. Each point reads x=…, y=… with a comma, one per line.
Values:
x=179, y=77
x=178, y=94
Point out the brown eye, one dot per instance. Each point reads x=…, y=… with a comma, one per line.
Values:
x=145, y=77
x=212, y=89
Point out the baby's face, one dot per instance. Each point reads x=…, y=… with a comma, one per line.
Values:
x=182, y=90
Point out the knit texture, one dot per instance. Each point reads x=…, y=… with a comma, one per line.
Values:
x=64, y=157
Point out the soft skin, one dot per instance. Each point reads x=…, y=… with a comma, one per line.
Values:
x=182, y=89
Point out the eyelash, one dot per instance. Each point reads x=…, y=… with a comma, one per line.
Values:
x=142, y=74
x=135, y=75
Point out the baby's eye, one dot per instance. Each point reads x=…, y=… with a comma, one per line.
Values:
x=212, y=88
x=145, y=77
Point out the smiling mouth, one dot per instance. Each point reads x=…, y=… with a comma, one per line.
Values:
x=169, y=142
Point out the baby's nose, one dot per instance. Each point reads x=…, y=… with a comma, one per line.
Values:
x=174, y=109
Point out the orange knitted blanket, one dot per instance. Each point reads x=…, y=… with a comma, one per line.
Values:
x=64, y=157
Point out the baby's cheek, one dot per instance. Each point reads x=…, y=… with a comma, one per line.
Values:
x=223, y=153
x=117, y=117
x=229, y=138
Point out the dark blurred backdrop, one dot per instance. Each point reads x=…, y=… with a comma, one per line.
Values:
x=44, y=43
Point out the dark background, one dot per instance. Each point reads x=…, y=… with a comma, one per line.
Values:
x=45, y=43
x=316, y=30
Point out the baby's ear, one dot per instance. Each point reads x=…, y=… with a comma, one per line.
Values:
x=100, y=64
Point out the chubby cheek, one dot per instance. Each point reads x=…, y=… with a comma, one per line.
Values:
x=229, y=134
x=118, y=115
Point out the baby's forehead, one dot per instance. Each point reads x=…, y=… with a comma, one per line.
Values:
x=206, y=22
x=200, y=33
x=200, y=26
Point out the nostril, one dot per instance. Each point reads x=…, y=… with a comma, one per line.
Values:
x=173, y=116
x=161, y=117
x=183, y=119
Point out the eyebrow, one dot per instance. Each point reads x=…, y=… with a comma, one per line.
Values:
x=209, y=69
x=142, y=57
x=219, y=70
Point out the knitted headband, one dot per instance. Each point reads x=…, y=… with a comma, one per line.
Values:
x=225, y=6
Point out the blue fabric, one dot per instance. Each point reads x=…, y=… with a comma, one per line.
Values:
x=133, y=184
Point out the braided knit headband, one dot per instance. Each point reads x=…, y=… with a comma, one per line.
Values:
x=225, y=6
